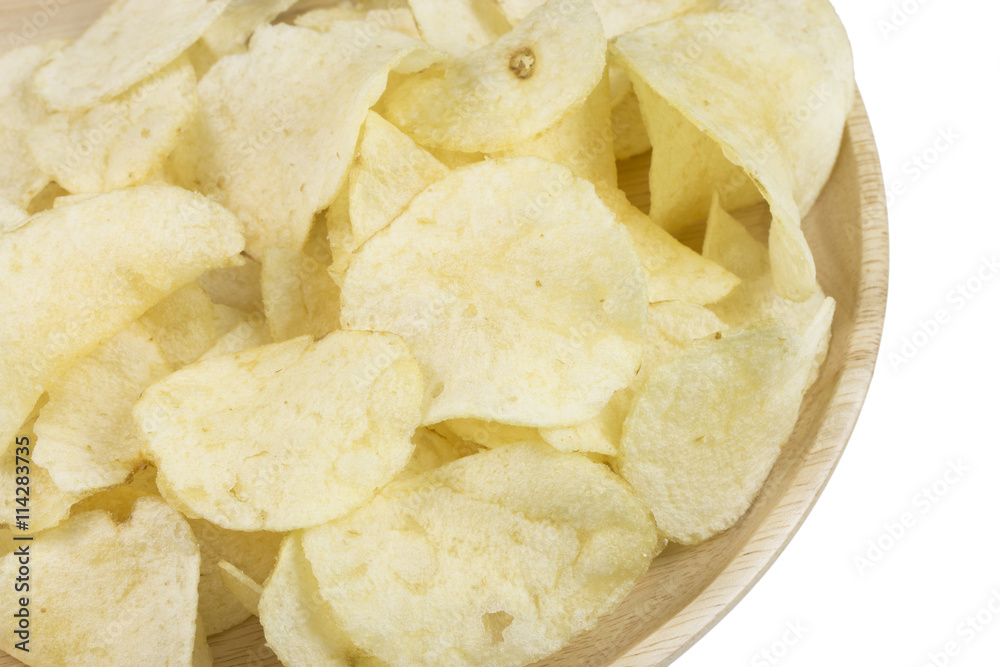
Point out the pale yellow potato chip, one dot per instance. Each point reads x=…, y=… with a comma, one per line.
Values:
x=509, y=91
x=454, y=159
x=43, y=505
x=112, y=594
x=459, y=26
x=227, y=318
x=582, y=140
x=12, y=216
x=618, y=16
x=486, y=434
x=298, y=624
x=252, y=552
x=432, y=450
x=242, y=586
x=628, y=128
x=119, y=500
x=86, y=436
x=708, y=425
x=229, y=33
x=21, y=179
x=120, y=142
x=183, y=324
x=117, y=254
x=515, y=550
x=236, y=286
x=712, y=85
x=388, y=14
x=300, y=296
x=252, y=331
x=390, y=169
x=341, y=237
x=673, y=271
x=276, y=131
x=286, y=435
x=728, y=243
x=131, y=41
x=515, y=287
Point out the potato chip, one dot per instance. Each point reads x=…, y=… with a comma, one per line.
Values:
x=454, y=159
x=312, y=429
x=582, y=140
x=252, y=331
x=183, y=324
x=486, y=434
x=119, y=500
x=117, y=254
x=628, y=128
x=12, y=216
x=515, y=287
x=110, y=594
x=237, y=286
x=20, y=176
x=48, y=504
x=432, y=450
x=229, y=33
x=122, y=141
x=298, y=624
x=510, y=91
x=459, y=26
x=243, y=588
x=673, y=271
x=86, y=437
x=515, y=550
x=617, y=16
x=300, y=296
x=276, y=131
x=131, y=41
x=708, y=425
x=730, y=244
x=779, y=85
x=387, y=14
x=252, y=552
x=388, y=172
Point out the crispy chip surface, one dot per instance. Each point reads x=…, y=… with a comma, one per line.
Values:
x=509, y=91
x=519, y=293
x=118, y=254
x=516, y=549
x=183, y=324
x=459, y=26
x=287, y=435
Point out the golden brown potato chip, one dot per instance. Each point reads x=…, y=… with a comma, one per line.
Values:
x=509, y=91
x=582, y=140
x=183, y=324
x=286, y=435
x=112, y=594
x=673, y=271
x=118, y=254
x=120, y=142
x=86, y=436
x=131, y=41
x=517, y=290
x=459, y=26
x=709, y=423
x=515, y=550
x=300, y=296
x=389, y=171
x=21, y=179
x=276, y=131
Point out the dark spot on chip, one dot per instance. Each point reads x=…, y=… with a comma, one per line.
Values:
x=718, y=335
x=522, y=63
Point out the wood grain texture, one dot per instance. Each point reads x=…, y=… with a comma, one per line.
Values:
x=688, y=589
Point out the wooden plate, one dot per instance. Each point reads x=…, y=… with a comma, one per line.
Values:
x=688, y=590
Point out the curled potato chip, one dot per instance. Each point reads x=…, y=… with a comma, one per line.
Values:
x=673, y=271
x=183, y=324
x=286, y=435
x=628, y=128
x=432, y=450
x=120, y=142
x=708, y=425
x=582, y=140
x=102, y=585
x=387, y=14
x=12, y=216
x=276, y=131
x=509, y=91
x=459, y=26
x=517, y=549
x=129, y=42
x=236, y=286
x=300, y=296
x=388, y=172
x=229, y=33
x=519, y=293
x=251, y=331
x=486, y=434
x=241, y=585
x=118, y=254
x=21, y=179
x=670, y=70
x=86, y=437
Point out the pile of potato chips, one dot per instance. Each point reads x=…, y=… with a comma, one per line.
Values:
x=336, y=315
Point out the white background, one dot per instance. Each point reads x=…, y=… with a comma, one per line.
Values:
x=856, y=586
